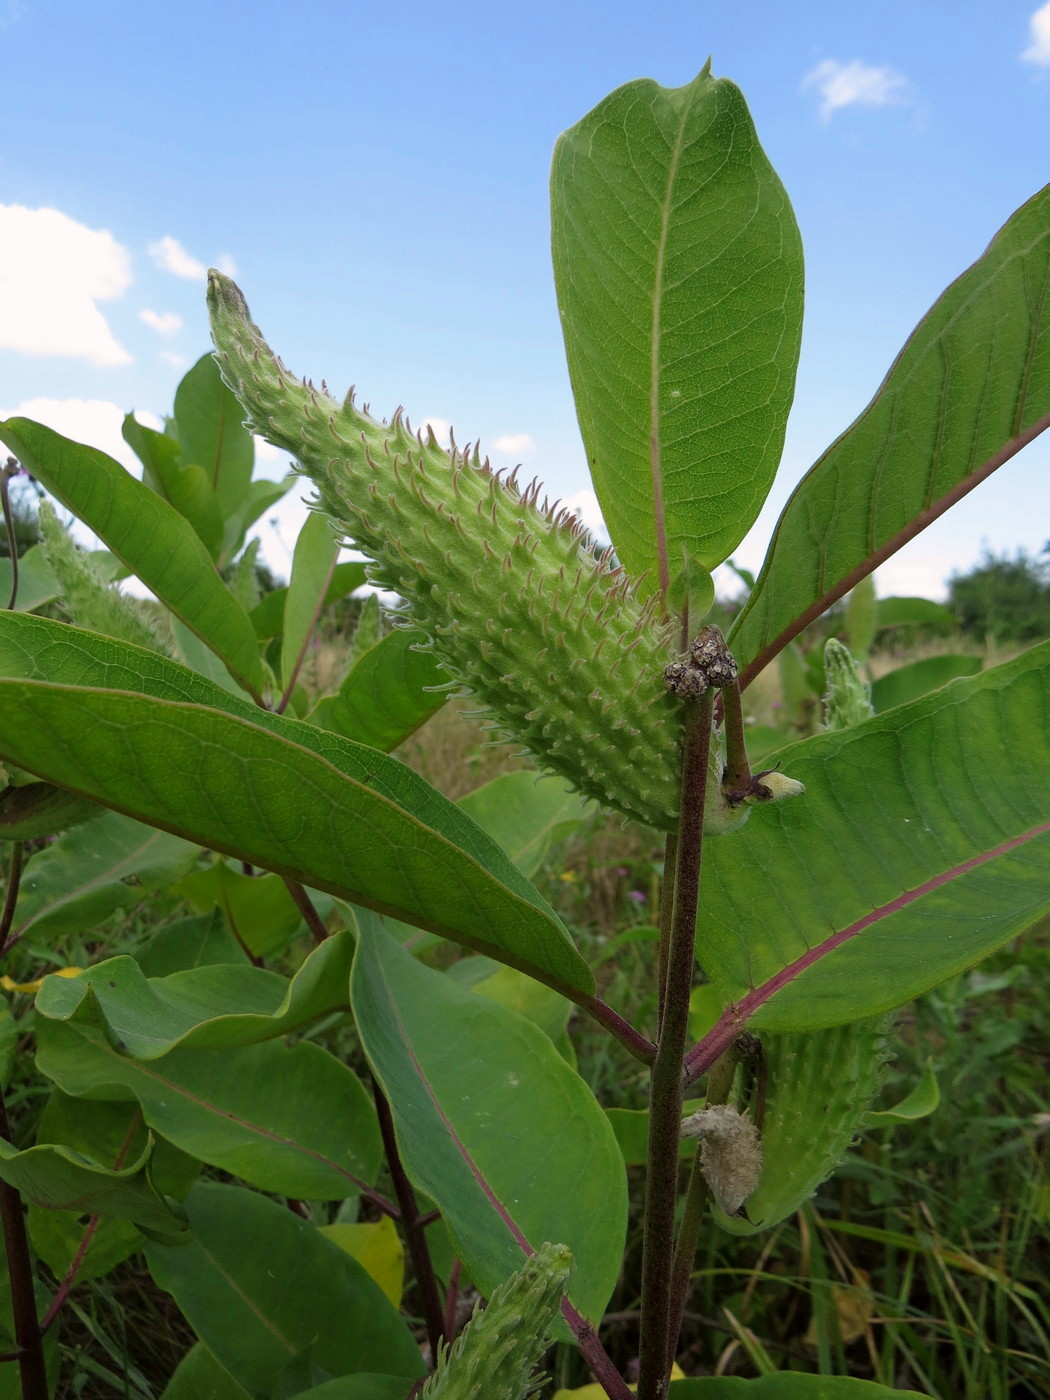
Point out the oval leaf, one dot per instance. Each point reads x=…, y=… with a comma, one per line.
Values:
x=260, y=1286
x=313, y=566
x=386, y=695
x=970, y=388
x=203, y=1008
x=922, y=843
x=91, y=871
x=60, y=1178
x=148, y=535
x=289, y=1119
x=919, y=678
x=784, y=1385
x=513, y=1157
x=678, y=267
x=274, y=791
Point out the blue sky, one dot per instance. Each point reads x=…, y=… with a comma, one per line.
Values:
x=377, y=178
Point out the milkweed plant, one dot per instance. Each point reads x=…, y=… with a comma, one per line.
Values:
x=173, y=746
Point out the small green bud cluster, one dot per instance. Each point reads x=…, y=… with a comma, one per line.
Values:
x=847, y=697
x=549, y=634
x=496, y=1355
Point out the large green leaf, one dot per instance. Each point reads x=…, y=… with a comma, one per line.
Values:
x=492, y=1124
x=268, y=615
x=147, y=534
x=290, y=1119
x=113, y=1134
x=93, y=870
x=37, y=585
x=199, y=1376
x=258, y=908
x=919, y=678
x=387, y=694
x=186, y=488
x=258, y=497
x=203, y=1008
x=275, y=791
x=60, y=1178
x=525, y=812
x=678, y=267
x=313, y=566
x=261, y=1286
x=198, y=941
x=784, y=1385
x=209, y=422
x=921, y=844
x=969, y=389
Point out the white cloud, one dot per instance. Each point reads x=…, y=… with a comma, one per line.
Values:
x=96, y=422
x=52, y=272
x=440, y=427
x=1039, y=28
x=266, y=452
x=169, y=255
x=513, y=443
x=173, y=358
x=855, y=84
x=163, y=322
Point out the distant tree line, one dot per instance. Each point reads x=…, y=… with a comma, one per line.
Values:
x=1004, y=598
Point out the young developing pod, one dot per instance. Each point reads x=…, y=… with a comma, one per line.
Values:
x=496, y=1355
x=574, y=669
x=819, y=1088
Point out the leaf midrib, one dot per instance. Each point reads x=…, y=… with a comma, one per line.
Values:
x=655, y=455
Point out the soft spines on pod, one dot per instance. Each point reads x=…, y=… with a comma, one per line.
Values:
x=820, y=1086
x=496, y=1355
x=520, y=607
x=847, y=696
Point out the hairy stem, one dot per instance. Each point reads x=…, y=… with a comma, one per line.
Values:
x=736, y=780
x=415, y=1235
x=665, y=1103
x=28, y=1336
x=666, y=908
x=595, y=1355
x=14, y=879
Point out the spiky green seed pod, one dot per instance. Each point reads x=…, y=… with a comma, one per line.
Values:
x=496, y=1355
x=847, y=698
x=520, y=608
x=820, y=1086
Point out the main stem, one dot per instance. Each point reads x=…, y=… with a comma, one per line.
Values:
x=411, y=1222
x=666, y=1091
x=23, y=1292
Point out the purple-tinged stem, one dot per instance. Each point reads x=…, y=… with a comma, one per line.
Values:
x=665, y=1103
x=30, y=1341
x=305, y=905
x=595, y=1355
x=415, y=1235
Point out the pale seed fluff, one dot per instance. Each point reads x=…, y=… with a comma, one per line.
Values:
x=730, y=1153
